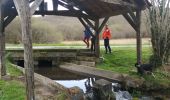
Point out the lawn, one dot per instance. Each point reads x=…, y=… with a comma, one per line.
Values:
x=122, y=60
x=12, y=89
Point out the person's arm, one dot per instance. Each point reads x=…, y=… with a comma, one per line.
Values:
x=103, y=35
x=109, y=35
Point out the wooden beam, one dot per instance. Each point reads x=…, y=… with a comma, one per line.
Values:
x=2, y=41
x=120, y=2
x=97, y=42
x=83, y=8
x=23, y=10
x=132, y=15
x=131, y=22
x=72, y=13
x=103, y=24
x=9, y=20
x=55, y=5
x=65, y=5
x=138, y=37
x=85, y=25
x=89, y=23
x=34, y=6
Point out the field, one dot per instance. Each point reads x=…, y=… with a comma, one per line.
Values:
x=145, y=41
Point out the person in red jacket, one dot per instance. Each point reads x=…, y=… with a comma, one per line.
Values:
x=107, y=36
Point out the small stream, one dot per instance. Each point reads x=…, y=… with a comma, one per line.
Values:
x=120, y=95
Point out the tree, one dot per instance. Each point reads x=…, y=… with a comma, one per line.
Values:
x=158, y=24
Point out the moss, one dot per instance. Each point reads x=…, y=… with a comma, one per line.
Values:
x=61, y=96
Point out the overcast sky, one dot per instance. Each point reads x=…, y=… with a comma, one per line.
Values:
x=50, y=5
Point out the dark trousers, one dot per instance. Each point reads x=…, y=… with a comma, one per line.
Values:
x=107, y=45
x=93, y=44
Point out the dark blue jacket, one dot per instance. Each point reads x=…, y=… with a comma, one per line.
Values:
x=87, y=32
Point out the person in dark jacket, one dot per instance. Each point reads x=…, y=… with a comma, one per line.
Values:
x=87, y=36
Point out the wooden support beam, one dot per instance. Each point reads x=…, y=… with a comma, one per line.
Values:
x=34, y=6
x=55, y=5
x=131, y=22
x=85, y=25
x=9, y=20
x=65, y=5
x=72, y=13
x=138, y=37
x=103, y=24
x=83, y=8
x=23, y=10
x=132, y=15
x=2, y=41
x=89, y=23
x=119, y=2
x=97, y=40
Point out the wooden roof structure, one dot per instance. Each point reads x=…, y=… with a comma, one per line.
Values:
x=89, y=12
x=91, y=9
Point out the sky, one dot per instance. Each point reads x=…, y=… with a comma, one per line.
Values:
x=50, y=6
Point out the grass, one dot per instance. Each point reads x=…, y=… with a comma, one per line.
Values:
x=12, y=89
x=12, y=70
x=122, y=60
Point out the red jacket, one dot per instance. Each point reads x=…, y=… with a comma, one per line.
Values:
x=106, y=33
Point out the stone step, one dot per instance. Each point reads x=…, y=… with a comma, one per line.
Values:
x=89, y=54
x=86, y=63
x=85, y=58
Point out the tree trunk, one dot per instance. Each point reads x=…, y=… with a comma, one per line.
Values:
x=138, y=37
x=24, y=14
x=2, y=42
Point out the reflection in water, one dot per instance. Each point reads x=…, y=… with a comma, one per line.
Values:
x=72, y=83
x=86, y=86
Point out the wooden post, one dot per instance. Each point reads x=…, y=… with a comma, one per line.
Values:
x=2, y=41
x=23, y=10
x=97, y=40
x=138, y=36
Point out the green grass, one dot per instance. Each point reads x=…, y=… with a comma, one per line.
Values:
x=62, y=44
x=122, y=60
x=12, y=90
x=12, y=70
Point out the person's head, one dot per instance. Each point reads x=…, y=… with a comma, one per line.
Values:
x=106, y=26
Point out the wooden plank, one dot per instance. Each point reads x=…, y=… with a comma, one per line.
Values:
x=34, y=6
x=65, y=5
x=82, y=7
x=120, y=2
x=72, y=13
x=2, y=41
x=92, y=72
x=103, y=24
x=130, y=21
x=23, y=9
x=89, y=23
